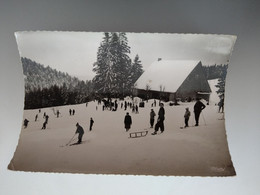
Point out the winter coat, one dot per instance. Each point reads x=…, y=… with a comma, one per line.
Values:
x=199, y=106
x=79, y=130
x=128, y=121
x=161, y=114
x=187, y=114
x=152, y=115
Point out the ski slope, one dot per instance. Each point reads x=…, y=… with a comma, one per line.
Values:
x=107, y=149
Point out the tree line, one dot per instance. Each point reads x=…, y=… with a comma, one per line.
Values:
x=115, y=76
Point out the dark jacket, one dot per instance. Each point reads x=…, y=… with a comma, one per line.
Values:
x=128, y=121
x=161, y=114
x=199, y=106
x=79, y=130
x=152, y=115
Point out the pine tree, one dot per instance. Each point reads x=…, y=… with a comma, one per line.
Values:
x=136, y=69
x=103, y=81
x=221, y=82
x=113, y=66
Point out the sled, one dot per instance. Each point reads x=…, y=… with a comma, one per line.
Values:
x=138, y=134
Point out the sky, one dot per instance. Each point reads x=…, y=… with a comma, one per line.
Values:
x=75, y=52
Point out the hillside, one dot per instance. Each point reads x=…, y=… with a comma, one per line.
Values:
x=37, y=76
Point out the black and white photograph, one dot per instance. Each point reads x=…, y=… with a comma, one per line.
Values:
x=124, y=103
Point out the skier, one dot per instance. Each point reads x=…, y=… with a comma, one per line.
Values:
x=198, y=107
x=128, y=122
x=46, y=119
x=80, y=131
x=44, y=114
x=58, y=113
x=25, y=123
x=152, y=115
x=160, y=120
x=44, y=125
x=186, y=117
x=73, y=112
x=36, y=117
x=70, y=111
x=91, y=123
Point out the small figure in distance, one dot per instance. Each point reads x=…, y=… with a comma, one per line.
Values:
x=128, y=122
x=91, y=124
x=25, y=123
x=186, y=117
x=152, y=115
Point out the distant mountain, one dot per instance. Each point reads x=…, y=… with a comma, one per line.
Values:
x=36, y=76
x=47, y=87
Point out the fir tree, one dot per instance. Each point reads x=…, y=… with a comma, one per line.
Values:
x=103, y=68
x=221, y=82
x=136, y=69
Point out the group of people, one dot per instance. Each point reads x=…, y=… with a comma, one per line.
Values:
x=198, y=107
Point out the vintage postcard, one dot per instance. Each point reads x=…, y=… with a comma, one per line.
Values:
x=124, y=103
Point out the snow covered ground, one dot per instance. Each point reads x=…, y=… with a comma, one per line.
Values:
x=107, y=149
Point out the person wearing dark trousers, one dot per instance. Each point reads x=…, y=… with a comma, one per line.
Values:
x=160, y=120
x=80, y=131
x=152, y=115
x=128, y=122
x=91, y=123
x=187, y=117
x=198, y=107
x=25, y=123
x=44, y=125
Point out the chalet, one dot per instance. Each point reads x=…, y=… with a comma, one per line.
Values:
x=173, y=80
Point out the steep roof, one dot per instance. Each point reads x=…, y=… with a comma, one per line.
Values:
x=166, y=73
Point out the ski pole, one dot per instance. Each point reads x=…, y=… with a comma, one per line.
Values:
x=71, y=139
x=203, y=118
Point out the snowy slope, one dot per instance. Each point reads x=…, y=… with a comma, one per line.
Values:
x=108, y=149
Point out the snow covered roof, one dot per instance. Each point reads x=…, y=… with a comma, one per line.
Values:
x=166, y=73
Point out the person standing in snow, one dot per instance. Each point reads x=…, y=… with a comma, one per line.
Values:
x=80, y=131
x=36, y=117
x=152, y=115
x=125, y=105
x=186, y=117
x=73, y=112
x=160, y=120
x=128, y=122
x=44, y=125
x=136, y=109
x=25, y=123
x=198, y=107
x=70, y=111
x=46, y=119
x=58, y=113
x=221, y=105
x=91, y=123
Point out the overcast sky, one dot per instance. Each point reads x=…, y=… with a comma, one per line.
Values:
x=75, y=52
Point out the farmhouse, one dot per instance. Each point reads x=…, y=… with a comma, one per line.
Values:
x=173, y=80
